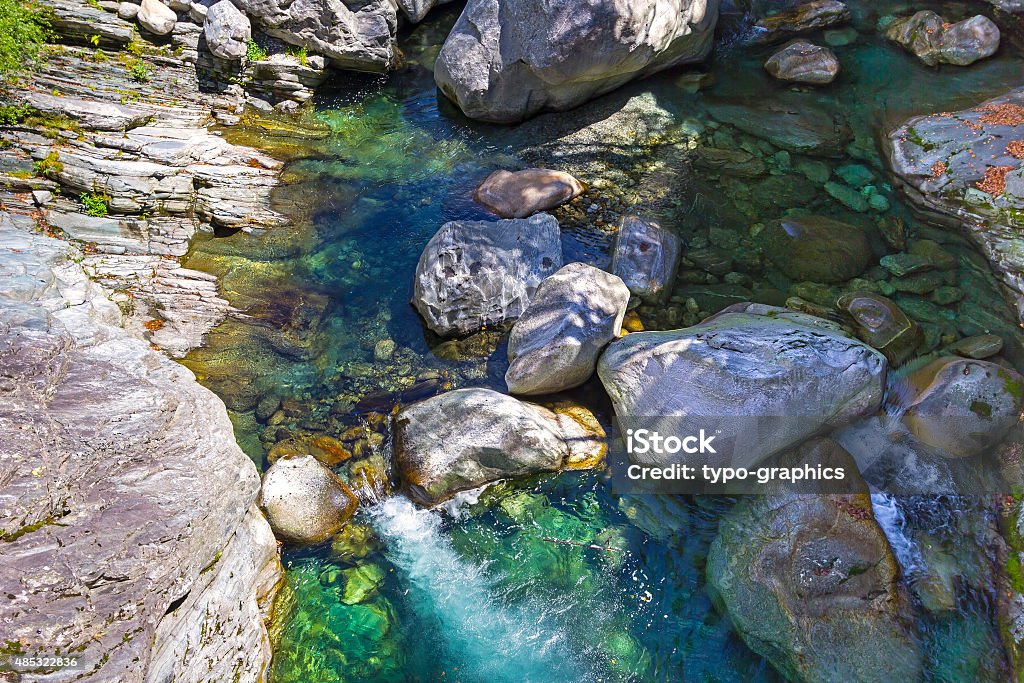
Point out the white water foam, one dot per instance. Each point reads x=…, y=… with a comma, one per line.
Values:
x=890, y=517
x=487, y=639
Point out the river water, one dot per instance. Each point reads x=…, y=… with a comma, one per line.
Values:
x=328, y=342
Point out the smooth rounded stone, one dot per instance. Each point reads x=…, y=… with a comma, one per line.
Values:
x=646, y=257
x=156, y=17
x=227, y=31
x=808, y=16
x=803, y=62
x=934, y=41
x=963, y=406
x=197, y=12
x=841, y=37
x=127, y=10
x=477, y=273
x=735, y=162
x=555, y=343
x=848, y=197
x=816, y=249
x=506, y=60
x=811, y=583
x=883, y=325
x=978, y=347
x=749, y=361
x=934, y=253
x=304, y=501
x=520, y=194
x=466, y=438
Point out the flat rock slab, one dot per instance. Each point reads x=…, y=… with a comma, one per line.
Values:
x=92, y=114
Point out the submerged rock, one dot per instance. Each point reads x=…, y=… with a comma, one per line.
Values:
x=963, y=406
x=883, y=325
x=811, y=583
x=978, y=347
x=803, y=62
x=935, y=41
x=470, y=437
x=646, y=257
x=792, y=124
x=749, y=361
x=809, y=16
x=477, y=273
x=507, y=60
x=227, y=31
x=304, y=501
x=523, y=193
x=816, y=249
x=556, y=342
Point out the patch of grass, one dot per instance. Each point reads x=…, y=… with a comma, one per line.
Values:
x=13, y=114
x=136, y=47
x=254, y=52
x=139, y=71
x=95, y=203
x=299, y=53
x=24, y=27
x=50, y=166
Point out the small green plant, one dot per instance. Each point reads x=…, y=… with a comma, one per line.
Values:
x=140, y=71
x=100, y=56
x=95, y=38
x=254, y=52
x=24, y=27
x=13, y=114
x=136, y=47
x=95, y=203
x=299, y=53
x=49, y=166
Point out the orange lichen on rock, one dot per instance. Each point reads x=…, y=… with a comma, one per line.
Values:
x=153, y=325
x=994, y=181
x=1016, y=149
x=938, y=169
x=1005, y=114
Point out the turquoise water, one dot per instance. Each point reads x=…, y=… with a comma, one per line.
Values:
x=475, y=593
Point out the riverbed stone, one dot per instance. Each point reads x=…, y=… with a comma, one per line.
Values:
x=227, y=31
x=934, y=40
x=883, y=325
x=748, y=361
x=809, y=16
x=811, y=583
x=555, y=343
x=978, y=347
x=816, y=248
x=466, y=438
x=645, y=257
x=506, y=60
x=156, y=17
x=304, y=501
x=793, y=124
x=520, y=194
x=477, y=273
x=943, y=160
x=803, y=62
x=963, y=406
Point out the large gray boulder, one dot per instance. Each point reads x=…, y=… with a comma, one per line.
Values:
x=227, y=31
x=808, y=16
x=415, y=10
x=935, y=41
x=477, y=273
x=811, y=583
x=506, y=60
x=646, y=257
x=762, y=378
x=353, y=34
x=556, y=342
x=156, y=17
x=967, y=167
x=304, y=501
x=470, y=437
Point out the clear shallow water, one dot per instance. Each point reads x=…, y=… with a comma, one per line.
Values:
x=481, y=596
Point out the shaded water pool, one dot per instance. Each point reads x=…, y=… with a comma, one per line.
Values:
x=327, y=342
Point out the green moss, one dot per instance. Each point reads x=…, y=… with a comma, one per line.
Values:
x=981, y=409
x=916, y=139
x=49, y=166
x=1011, y=385
x=27, y=529
x=213, y=563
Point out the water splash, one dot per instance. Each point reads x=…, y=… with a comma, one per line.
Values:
x=487, y=639
x=890, y=517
